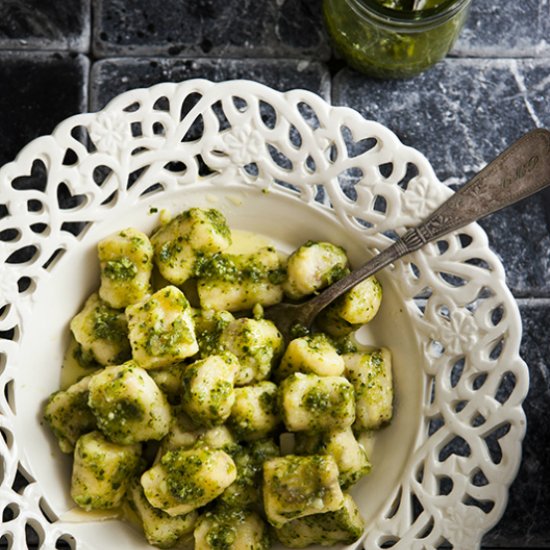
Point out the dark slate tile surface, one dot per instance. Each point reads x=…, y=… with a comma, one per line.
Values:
x=462, y=110
x=520, y=236
x=38, y=91
x=461, y=114
x=232, y=28
x=114, y=76
x=39, y=24
x=513, y=29
x=526, y=522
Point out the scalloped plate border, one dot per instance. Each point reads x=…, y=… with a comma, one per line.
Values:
x=331, y=159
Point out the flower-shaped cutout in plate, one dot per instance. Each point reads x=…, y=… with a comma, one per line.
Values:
x=292, y=167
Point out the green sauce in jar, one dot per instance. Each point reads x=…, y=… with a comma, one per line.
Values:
x=387, y=39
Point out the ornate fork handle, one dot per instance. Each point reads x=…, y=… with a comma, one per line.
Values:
x=520, y=171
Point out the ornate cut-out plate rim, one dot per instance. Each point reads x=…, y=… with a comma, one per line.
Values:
x=296, y=146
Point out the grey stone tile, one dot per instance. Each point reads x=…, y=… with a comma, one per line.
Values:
x=38, y=91
x=518, y=29
x=216, y=28
x=40, y=25
x=111, y=77
x=526, y=522
x=461, y=114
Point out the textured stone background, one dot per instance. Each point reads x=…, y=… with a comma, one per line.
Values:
x=64, y=57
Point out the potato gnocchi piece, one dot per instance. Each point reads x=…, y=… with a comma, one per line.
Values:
x=185, y=434
x=231, y=530
x=190, y=235
x=102, y=331
x=316, y=403
x=330, y=322
x=161, y=329
x=257, y=344
x=68, y=414
x=77, y=364
x=371, y=376
x=160, y=529
x=126, y=264
x=102, y=471
x=351, y=457
x=314, y=266
x=343, y=526
x=236, y=282
x=209, y=325
x=184, y=480
x=218, y=437
x=254, y=414
x=208, y=388
x=128, y=405
x=360, y=304
x=298, y=486
x=313, y=354
x=355, y=308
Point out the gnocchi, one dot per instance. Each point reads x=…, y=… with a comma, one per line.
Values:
x=191, y=415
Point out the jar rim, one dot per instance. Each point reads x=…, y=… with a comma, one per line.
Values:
x=443, y=11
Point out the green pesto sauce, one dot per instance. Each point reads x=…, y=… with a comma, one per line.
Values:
x=182, y=469
x=333, y=402
x=219, y=224
x=85, y=358
x=375, y=371
x=277, y=276
x=122, y=269
x=335, y=274
x=318, y=342
x=223, y=532
x=297, y=330
x=209, y=339
x=127, y=410
x=385, y=51
x=247, y=469
x=217, y=267
x=316, y=400
x=121, y=419
x=221, y=537
x=109, y=324
x=268, y=402
x=377, y=361
x=231, y=269
x=219, y=394
x=168, y=250
x=299, y=483
x=166, y=342
x=344, y=345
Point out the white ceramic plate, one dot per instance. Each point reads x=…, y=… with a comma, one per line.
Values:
x=292, y=167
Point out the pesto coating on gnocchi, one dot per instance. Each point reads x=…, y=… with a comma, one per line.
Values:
x=189, y=415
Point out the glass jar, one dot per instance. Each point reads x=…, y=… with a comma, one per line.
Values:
x=388, y=42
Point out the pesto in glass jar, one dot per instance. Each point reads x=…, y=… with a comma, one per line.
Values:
x=387, y=39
